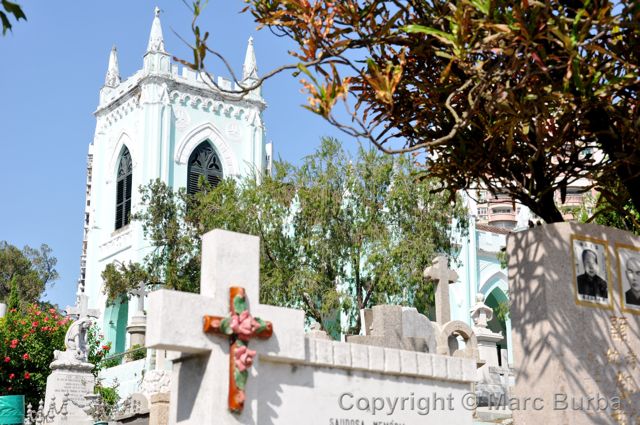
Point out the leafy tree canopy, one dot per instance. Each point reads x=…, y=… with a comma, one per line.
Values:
x=524, y=98
x=338, y=233
x=25, y=273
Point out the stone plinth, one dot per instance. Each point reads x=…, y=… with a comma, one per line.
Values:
x=576, y=354
x=70, y=382
x=137, y=329
x=159, y=409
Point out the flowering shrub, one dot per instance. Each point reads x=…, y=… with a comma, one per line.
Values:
x=27, y=341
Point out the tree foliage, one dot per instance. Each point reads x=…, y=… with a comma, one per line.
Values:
x=27, y=271
x=28, y=339
x=525, y=97
x=8, y=8
x=338, y=233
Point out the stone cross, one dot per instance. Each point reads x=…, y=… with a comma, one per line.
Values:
x=443, y=276
x=140, y=293
x=81, y=309
x=200, y=387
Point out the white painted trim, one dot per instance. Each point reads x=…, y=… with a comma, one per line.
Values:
x=200, y=133
x=496, y=280
x=123, y=140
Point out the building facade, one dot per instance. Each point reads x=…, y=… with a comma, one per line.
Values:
x=168, y=123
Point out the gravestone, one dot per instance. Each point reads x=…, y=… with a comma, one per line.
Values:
x=396, y=326
x=576, y=339
x=493, y=379
x=291, y=378
x=71, y=378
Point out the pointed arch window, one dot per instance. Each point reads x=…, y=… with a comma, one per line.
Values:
x=124, y=182
x=203, y=162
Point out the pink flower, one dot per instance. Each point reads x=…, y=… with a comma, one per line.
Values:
x=12, y=375
x=7, y=359
x=243, y=357
x=52, y=310
x=14, y=343
x=244, y=325
x=35, y=324
x=27, y=375
x=38, y=313
x=25, y=356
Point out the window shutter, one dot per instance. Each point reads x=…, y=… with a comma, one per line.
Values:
x=123, y=189
x=203, y=162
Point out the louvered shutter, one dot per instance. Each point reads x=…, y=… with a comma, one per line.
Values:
x=203, y=162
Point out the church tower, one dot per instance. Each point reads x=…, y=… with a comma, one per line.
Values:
x=163, y=123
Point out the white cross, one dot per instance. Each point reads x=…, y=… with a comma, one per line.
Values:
x=200, y=379
x=81, y=309
x=443, y=276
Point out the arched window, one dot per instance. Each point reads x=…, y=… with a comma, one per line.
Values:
x=123, y=189
x=203, y=162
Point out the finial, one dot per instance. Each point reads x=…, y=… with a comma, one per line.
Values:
x=156, y=40
x=250, y=67
x=112, y=78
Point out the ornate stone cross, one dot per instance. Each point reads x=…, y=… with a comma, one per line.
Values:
x=203, y=361
x=240, y=327
x=443, y=276
x=81, y=309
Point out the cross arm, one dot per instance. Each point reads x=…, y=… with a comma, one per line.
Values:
x=175, y=321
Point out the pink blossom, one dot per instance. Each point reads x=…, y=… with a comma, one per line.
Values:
x=244, y=325
x=11, y=376
x=7, y=359
x=27, y=375
x=14, y=343
x=243, y=358
x=25, y=356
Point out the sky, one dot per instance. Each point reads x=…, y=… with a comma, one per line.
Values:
x=52, y=68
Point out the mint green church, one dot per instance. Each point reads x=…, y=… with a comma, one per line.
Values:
x=164, y=122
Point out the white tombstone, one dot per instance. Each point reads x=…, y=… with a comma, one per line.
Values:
x=71, y=378
x=3, y=310
x=200, y=376
x=293, y=378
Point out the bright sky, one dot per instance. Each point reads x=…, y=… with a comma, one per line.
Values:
x=53, y=67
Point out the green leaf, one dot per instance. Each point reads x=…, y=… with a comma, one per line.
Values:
x=239, y=304
x=225, y=326
x=440, y=35
x=482, y=5
x=241, y=378
x=263, y=325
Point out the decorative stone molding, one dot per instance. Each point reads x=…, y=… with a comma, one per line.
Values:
x=122, y=111
x=115, y=146
x=207, y=131
x=346, y=355
x=155, y=382
x=117, y=243
x=216, y=106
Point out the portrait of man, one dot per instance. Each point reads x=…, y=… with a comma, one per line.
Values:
x=590, y=271
x=589, y=283
x=632, y=273
x=629, y=276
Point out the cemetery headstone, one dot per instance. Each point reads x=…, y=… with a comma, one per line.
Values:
x=576, y=335
x=71, y=378
x=493, y=379
x=291, y=377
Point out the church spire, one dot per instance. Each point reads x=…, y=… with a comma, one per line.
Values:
x=156, y=40
x=250, y=68
x=113, y=73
